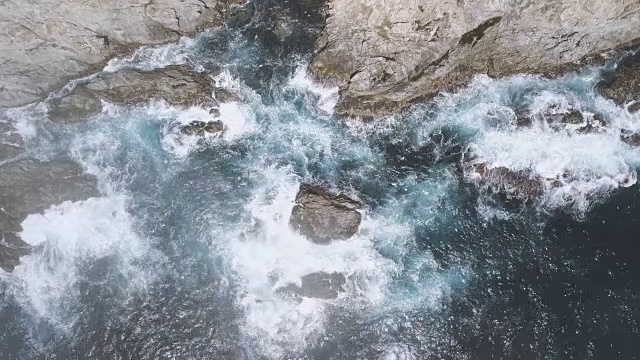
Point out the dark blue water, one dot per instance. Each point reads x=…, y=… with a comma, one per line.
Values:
x=182, y=255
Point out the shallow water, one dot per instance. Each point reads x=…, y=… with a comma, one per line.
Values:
x=181, y=256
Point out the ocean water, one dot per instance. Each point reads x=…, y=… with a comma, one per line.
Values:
x=181, y=256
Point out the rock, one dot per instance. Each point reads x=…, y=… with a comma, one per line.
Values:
x=323, y=217
x=623, y=87
x=573, y=117
x=320, y=285
x=387, y=54
x=629, y=137
x=29, y=186
x=509, y=188
x=202, y=128
x=177, y=85
x=634, y=108
x=46, y=43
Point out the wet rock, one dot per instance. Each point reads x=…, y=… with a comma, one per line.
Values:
x=509, y=188
x=29, y=186
x=201, y=128
x=573, y=117
x=388, y=54
x=623, y=87
x=629, y=137
x=634, y=108
x=177, y=85
x=322, y=216
x=46, y=43
x=320, y=285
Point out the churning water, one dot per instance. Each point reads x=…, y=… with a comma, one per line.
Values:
x=181, y=256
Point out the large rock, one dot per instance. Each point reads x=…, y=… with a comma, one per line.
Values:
x=45, y=43
x=29, y=186
x=319, y=285
x=624, y=87
x=510, y=188
x=322, y=216
x=177, y=85
x=387, y=54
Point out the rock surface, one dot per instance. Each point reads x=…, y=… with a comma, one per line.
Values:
x=201, y=128
x=177, y=85
x=320, y=285
x=322, y=216
x=387, y=54
x=29, y=186
x=511, y=189
x=45, y=43
x=624, y=87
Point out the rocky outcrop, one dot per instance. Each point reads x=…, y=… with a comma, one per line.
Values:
x=509, y=188
x=47, y=42
x=29, y=186
x=320, y=285
x=624, y=87
x=323, y=217
x=202, y=128
x=177, y=85
x=387, y=54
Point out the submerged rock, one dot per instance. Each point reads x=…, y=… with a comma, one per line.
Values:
x=508, y=187
x=624, y=87
x=320, y=285
x=322, y=216
x=29, y=186
x=387, y=54
x=629, y=137
x=177, y=85
x=46, y=43
x=201, y=128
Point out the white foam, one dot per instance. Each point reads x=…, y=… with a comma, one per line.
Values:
x=236, y=117
x=268, y=255
x=65, y=237
x=326, y=98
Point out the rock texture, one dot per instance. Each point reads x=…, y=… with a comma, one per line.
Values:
x=511, y=189
x=387, y=54
x=322, y=216
x=624, y=86
x=45, y=43
x=177, y=85
x=29, y=186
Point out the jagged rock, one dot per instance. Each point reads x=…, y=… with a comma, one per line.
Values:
x=320, y=285
x=510, y=188
x=624, y=87
x=387, y=54
x=629, y=137
x=46, y=43
x=177, y=85
x=201, y=128
x=29, y=186
x=322, y=216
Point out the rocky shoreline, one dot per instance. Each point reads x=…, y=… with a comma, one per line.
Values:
x=387, y=55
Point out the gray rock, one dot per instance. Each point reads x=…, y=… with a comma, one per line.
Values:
x=387, y=54
x=177, y=85
x=511, y=189
x=320, y=285
x=323, y=217
x=201, y=128
x=46, y=43
x=630, y=138
x=624, y=87
x=29, y=186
